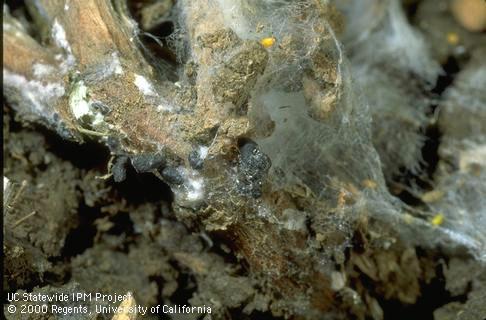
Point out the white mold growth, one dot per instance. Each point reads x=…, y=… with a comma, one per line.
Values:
x=467, y=94
x=150, y=93
x=463, y=207
x=192, y=190
x=467, y=241
x=115, y=64
x=12, y=25
x=234, y=16
x=293, y=220
x=310, y=152
x=6, y=183
x=144, y=85
x=203, y=152
x=461, y=177
x=327, y=159
x=6, y=187
x=41, y=70
x=383, y=24
x=81, y=106
x=195, y=189
x=7, y=192
x=165, y=108
x=407, y=45
x=109, y=67
x=78, y=101
x=37, y=97
x=393, y=105
x=59, y=37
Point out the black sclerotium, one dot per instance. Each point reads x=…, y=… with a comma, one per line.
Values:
x=253, y=166
x=148, y=162
x=114, y=145
x=172, y=176
x=101, y=107
x=119, y=168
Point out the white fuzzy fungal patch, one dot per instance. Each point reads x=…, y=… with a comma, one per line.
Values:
x=59, y=36
x=465, y=240
x=164, y=105
x=384, y=25
x=109, y=67
x=115, y=64
x=98, y=119
x=41, y=70
x=12, y=25
x=81, y=106
x=192, y=191
x=164, y=108
x=234, y=17
x=148, y=90
x=78, y=101
x=203, y=152
x=66, y=5
x=7, y=27
x=195, y=189
x=6, y=183
x=144, y=85
x=39, y=97
x=407, y=45
x=7, y=190
x=293, y=220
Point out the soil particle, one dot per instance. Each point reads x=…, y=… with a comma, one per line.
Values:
x=464, y=278
x=25, y=265
x=106, y=271
x=234, y=81
x=223, y=290
x=459, y=274
x=46, y=196
x=396, y=274
x=154, y=263
x=220, y=40
x=448, y=312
